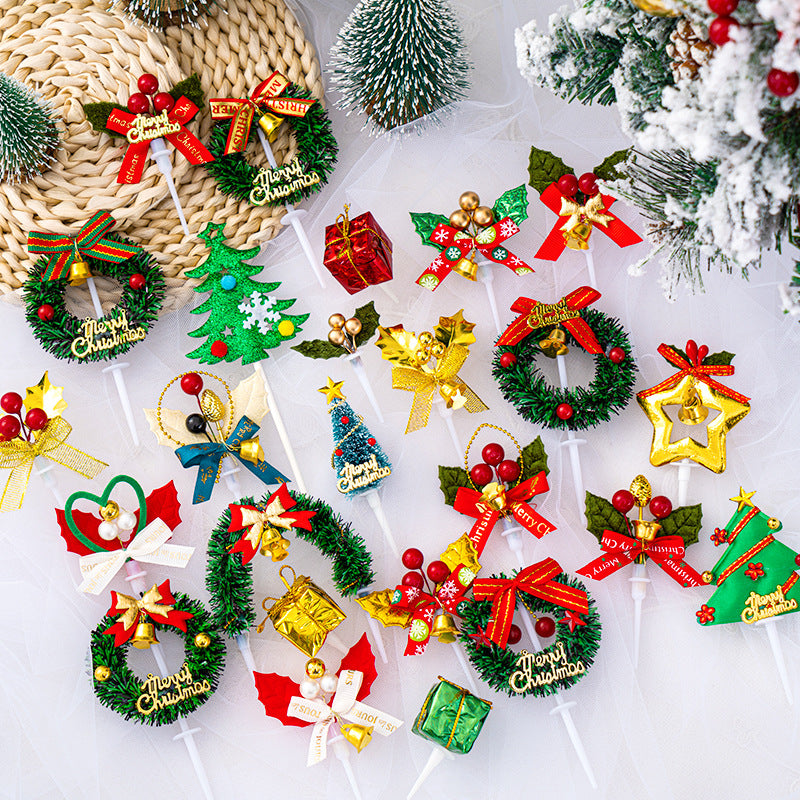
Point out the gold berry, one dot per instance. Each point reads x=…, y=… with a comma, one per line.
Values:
x=773, y=524
x=483, y=216
x=708, y=577
x=336, y=336
x=202, y=640
x=353, y=326
x=469, y=201
x=102, y=673
x=336, y=320
x=459, y=219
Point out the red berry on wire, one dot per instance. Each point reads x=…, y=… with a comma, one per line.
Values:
x=782, y=84
x=508, y=471
x=438, y=571
x=413, y=558
x=138, y=103
x=514, y=634
x=45, y=312
x=719, y=31
x=191, y=383
x=623, y=501
x=545, y=627
x=9, y=427
x=413, y=579
x=36, y=419
x=163, y=101
x=568, y=185
x=507, y=360
x=616, y=355
x=723, y=8
x=564, y=411
x=11, y=402
x=493, y=454
x=660, y=507
x=136, y=281
x=481, y=474
x=587, y=183
x=147, y=83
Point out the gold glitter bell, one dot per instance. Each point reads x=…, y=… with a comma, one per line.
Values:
x=250, y=450
x=577, y=237
x=467, y=268
x=274, y=544
x=444, y=629
x=555, y=343
x=145, y=635
x=692, y=412
x=78, y=271
x=269, y=123
x=358, y=735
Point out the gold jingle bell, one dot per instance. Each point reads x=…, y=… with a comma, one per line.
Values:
x=78, y=271
x=202, y=640
x=444, y=629
x=358, y=735
x=483, y=216
x=459, y=219
x=274, y=544
x=315, y=668
x=102, y=673
x=145, y=635
x=708, y=576
x=269, y=123
x=110, y=511
x=469, y=201
x=692, y=412
x=494, y=495
x=466, y=268
x=250, y=450
x=577, y=237
x=646, y=530
x=555, y=343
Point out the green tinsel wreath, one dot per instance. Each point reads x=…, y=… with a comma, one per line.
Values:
x=122, y=688
x=316, y=148
x=536, y=400
x=495, y=665
x=230, y=582
x=140, y=305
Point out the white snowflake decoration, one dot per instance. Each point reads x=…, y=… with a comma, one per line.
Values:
x=260, y=311
x=508, y=228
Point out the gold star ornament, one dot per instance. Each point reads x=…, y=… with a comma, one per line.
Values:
x=695, y=393
x=332, y=390
x=743, y=499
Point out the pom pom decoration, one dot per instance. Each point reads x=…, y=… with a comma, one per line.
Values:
x=399, y=61
x=28, y=134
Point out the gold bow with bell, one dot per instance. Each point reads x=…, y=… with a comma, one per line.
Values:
x=132, y=608
x=578, y=227
x=18, y=455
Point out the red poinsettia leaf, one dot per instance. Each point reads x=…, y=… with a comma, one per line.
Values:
x=163, y=503
x=361, y=658
x=275, y=693
x=88, y=525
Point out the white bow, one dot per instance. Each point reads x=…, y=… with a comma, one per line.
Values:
x=99, y=568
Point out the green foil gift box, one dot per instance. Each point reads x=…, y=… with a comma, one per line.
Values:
x=451, y=716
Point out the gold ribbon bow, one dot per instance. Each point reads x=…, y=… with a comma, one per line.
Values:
x=261, y=520
x=18, y=455
x=591, y=212
x=133, y=607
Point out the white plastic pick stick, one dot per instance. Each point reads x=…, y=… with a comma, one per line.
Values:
x=342, y=752
x=375, y=629
x=562, y=708
x=638, y=581
x=281, y=428
x=486, y=276
x=361, y=374
x=590, y=264
x=292, y=215
x=45, y=469
x=777, y=654
x=334, y=640
x=374, y=500
x=231, y=481
x=512, y=533
x=685, y=467
x=571, y=443
x=447, y=415
x=458, y=649
x=160, y=154
x=243, y=643
x=438, y=754
x=136, y=577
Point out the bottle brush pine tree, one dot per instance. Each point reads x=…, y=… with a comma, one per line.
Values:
x=28, y=136
x=399, y=60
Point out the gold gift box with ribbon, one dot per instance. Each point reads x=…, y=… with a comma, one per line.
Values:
x=305, y=615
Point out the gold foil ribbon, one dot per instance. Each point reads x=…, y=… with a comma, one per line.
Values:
x=19, y=455
x=591, y=212
x=343, y=223
x=134, y=607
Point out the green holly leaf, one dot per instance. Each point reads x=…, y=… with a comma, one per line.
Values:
x=425, y=225
x=98, y=113
x=545, y=168
x=534, y=459
x=370, y=319
x=607, y=171
x=451, y=479
x=514, y=204
x=319, y=348
x=719, y=359
x=189, y=88
x=602, y=516
x=684, y=522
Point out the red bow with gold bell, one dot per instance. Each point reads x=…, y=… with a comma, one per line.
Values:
x=141, y=129
x=567, y=234
x=535, y=315
x=157, y=603
x=496, y=501
x=537, y=579
x=264, y=96
x=666, y=551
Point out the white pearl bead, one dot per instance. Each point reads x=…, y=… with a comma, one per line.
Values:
x=309, y=689
x=328, y=683
x=126, y=521
x=107, y=531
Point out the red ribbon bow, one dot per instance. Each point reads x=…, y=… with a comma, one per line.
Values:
x=553, y=246
x=265, y=95
x=537, y=579
x=457, y=244
x=423, y=606
x=535, y=315
x=693, y=365
x=513, y=501
x=666, y=551
x=182, y=140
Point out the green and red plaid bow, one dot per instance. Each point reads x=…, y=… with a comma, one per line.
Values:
x=62, y=250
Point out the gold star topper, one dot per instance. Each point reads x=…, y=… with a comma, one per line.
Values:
x=695, y=393
x=743, y=499
x=332, y=390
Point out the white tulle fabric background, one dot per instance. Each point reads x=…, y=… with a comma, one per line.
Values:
x=704, y=715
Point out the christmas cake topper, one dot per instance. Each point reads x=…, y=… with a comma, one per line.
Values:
x=472, y=229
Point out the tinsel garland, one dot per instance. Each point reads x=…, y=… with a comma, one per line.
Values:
x=230, y=582
x=316, y=148
x=122, y=688
x=495, y=665
x=140, y=305
x=536, y=400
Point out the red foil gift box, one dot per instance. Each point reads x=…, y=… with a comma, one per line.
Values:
x=357, y=252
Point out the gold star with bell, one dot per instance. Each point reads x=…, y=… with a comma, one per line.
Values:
x=332, y=390
x=743, y=499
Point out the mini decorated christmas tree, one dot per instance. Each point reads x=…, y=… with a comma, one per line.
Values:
x=399, y=60
x=28, y=135
x=245, y=319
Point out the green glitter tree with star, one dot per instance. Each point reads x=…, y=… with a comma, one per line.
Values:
x=245, y=318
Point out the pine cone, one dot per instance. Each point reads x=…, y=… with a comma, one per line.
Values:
x=688, y=50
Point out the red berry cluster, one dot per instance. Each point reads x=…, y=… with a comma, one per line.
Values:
x=779, y=82
x=413, y=560
x=139, y=103
x=12, y=424
x=569, y=185
x=494, y=465
x=624, y=501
